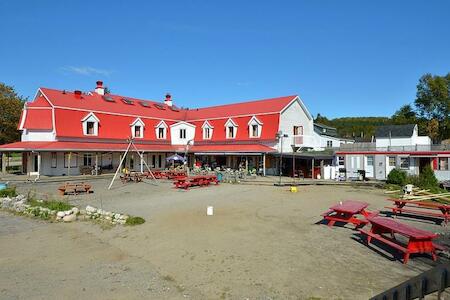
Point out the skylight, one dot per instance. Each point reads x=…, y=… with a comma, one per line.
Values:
x=160, y=106
x=174, y=108
x=108, y=98
x=127, y=101
x=145, y=104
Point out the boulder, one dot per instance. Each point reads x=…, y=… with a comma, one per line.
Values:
x=60, y=214
x=70, y=218
x=90, y=209
x=68, y=212
x=75, y=210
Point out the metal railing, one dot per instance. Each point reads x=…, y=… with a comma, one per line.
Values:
x=372, y=147
x=435, y=280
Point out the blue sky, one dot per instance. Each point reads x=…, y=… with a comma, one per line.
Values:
x=344, y=58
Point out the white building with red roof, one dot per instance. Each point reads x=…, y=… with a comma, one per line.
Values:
x=63, y=131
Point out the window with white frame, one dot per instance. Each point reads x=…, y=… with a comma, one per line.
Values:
x=391, y=161
x=254, y=127
x=87, y=159
x=329, y=144
x=298, y=130
x=54, y=159
x=231, y=129
x=90, y=125
x=404, y=162
x=443, y=163
x=341, y=161
x=72, y=158
x=182, y=133
x=137, y=129
x=207, y=130
x=161, y=130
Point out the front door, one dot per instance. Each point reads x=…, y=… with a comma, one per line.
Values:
x=368, y=166
x=423, y=162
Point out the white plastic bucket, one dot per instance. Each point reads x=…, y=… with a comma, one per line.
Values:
x=209, y=211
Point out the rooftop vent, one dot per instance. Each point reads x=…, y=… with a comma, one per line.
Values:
x=77, y=93
x=160, y=106
x=168, y=100
x=108, y=98
x=145, y=104
x=127, y=101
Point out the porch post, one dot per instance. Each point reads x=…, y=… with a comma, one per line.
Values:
x=68, y=165
x=39, y=164
x=293, y=165
x=264, y=164
x=96, y=163
x=246, y=164
x=312, y=168
x=4, y=158
x=142, y=161
x=322, y=173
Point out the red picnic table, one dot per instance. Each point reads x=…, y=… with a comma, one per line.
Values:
x=345, y=212
x=424, y=208
x=198, y=180
x=419, y=241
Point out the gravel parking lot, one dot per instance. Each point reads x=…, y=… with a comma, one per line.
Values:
x=263, y=242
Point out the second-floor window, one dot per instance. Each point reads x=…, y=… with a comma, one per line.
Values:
x=182, y=133
x=206, y=133
x=137, y=131
x=90, y=128
x=329, y=144
x=298, y=130
x=90, y=124
x=255, y=130
x=161, y=133
x=231, y=132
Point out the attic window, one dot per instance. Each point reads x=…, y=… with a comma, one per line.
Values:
x=160, y=106
x=108, y=98
x=174, y=108
x=145, y=104
x=127, y=101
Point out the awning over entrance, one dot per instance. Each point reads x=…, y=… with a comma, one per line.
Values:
x=244, y=149
x=80, y=146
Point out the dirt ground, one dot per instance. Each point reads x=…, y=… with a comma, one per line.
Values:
x=262, y=243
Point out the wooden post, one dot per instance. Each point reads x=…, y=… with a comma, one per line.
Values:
x=142, y=161
x=68, y=166
x=39, y=164
x=246, y=165
x=264, y=164
x=4, y=162
x=96, y=163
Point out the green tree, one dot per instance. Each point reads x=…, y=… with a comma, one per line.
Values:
x=433, y=101
x=405, y=115
x=11, y=105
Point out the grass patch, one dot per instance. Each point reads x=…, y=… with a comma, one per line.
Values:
x=52, y=205
x=131, y=221
x=8, y=192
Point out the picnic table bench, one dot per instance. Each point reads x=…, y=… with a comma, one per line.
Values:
x=185, y=182
x=345, y=212
x=430, y=209
x=132, y=177
x=74, y=188
x=419, y=241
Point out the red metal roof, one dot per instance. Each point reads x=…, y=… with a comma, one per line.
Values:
x=38, y=119
x=254, y=107
x=230, y=148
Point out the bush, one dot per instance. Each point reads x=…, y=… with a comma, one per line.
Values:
x=397, y=176
x=427, y=180
x=134, y=221
x=52, y=205
x=8, y=192
x=413, y=179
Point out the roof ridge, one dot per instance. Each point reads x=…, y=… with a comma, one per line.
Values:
x=243, y=102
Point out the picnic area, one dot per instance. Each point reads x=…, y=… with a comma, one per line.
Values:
x=262, y=242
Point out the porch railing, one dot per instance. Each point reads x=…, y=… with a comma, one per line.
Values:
x=372, y=147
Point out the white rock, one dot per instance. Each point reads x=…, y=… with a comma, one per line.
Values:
x=90, y=209
x=75, y=210
x=70, y=218
x=117, y=216
x=68, y=212
x=60, y=214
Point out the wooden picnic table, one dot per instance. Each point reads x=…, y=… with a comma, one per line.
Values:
x=346, y=211
x=424, y=208
x=132, y=177
x=197, y=180
x=419, y=241
x=74, y=188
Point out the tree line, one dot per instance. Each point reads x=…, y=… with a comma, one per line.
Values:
x=430, y=111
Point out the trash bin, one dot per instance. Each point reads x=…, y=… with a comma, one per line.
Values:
x=219, y=177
